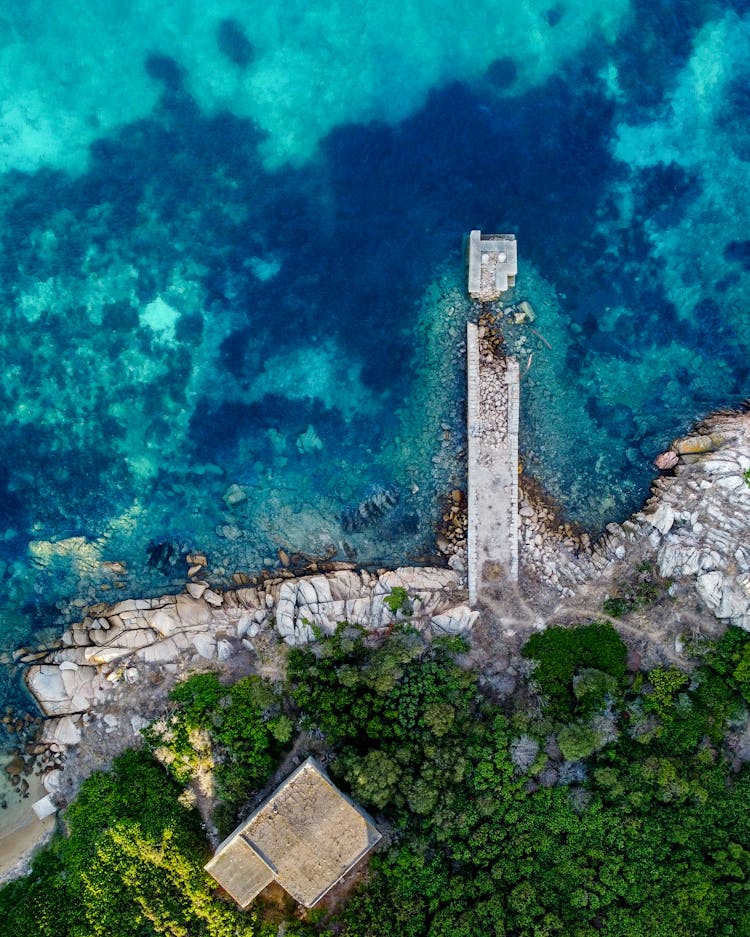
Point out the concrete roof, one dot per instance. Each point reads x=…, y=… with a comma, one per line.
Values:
x=306, y=836
x=240, y=870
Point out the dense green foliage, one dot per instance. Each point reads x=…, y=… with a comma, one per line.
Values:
x=650, y=836
x=233, y=733
x=131, y=864
x=566, y=653
x=614, y=810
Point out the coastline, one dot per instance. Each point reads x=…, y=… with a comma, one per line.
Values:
x=108, y=680
x=21, y=831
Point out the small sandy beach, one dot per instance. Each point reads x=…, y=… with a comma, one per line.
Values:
x=20, y=829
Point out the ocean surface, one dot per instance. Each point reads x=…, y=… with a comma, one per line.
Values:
x=233, y=288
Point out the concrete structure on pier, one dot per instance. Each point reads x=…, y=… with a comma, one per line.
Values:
x=492, y=424
x=492, y=265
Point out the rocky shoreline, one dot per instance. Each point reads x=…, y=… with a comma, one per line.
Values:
x=111, y=672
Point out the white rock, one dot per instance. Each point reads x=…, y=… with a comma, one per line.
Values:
x=192, y=612
x=196, y=589
x=454, y=620
x=105, y=655
x=62, y=731
x=710, y=587
x=224, y=650
x=164, y=622
x=205, y=645
x=730, y=482
x=111, y=720
x=243, y=624
x=137, y=723
x=131, y=675
x=52, y=781
x=44, y=807
x=662, y=518
x=68, y=665
x=457, y=564
x=46, y=683
x=213, y=598
x=160, y=653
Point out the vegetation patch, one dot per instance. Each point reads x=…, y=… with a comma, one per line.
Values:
x=227, y=740
x=616, y=809
x=574, y=664
x=644, y=591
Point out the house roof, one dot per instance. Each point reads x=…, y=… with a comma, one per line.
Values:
x=305, y=836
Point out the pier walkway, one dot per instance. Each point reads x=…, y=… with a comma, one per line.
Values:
x=492, y=424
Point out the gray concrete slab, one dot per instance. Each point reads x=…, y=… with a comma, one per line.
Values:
x=492, y=500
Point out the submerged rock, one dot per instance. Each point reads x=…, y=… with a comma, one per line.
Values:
x=370, y=510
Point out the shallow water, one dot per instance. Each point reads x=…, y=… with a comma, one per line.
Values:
x=232, y=257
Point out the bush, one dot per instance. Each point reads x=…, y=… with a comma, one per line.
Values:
x=563, y=653
x=235, y=733
x=131, y=863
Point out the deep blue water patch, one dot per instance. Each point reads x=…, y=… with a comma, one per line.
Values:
x=334, y=255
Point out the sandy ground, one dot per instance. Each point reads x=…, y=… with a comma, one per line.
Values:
x=20, y=830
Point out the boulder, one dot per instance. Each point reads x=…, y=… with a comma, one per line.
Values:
x=192, y=612
x=710, y=588
x=224, y=650
x=46, y=683
x=666, y=460
x=52, y=781
x=662, y=518
x=205, y=645
x=454, y=620
x=62, y=731
x=691, y=445
x=44, y=807
x=196, y=589
x=160, y=653
x=164, y=622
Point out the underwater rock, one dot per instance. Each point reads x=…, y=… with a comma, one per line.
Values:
x=162, y=555
x=234, y=495
x=309, y=441
x=232, y=42
x=370, y=510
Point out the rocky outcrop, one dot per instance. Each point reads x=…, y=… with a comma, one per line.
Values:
x=697, y=522
x=699, y=519
x=694, y=529
x=118, y=643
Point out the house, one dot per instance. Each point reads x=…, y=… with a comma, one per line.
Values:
x=306, y=836
x=492, y=265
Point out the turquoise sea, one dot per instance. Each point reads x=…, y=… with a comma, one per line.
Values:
x=232, y=281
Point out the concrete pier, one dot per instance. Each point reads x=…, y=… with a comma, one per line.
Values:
x=493, y=265
x=492, y=423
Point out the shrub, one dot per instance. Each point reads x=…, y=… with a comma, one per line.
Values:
x=564, y=652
